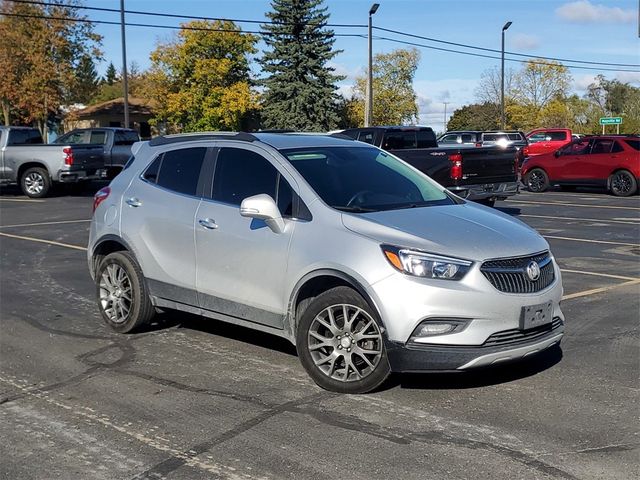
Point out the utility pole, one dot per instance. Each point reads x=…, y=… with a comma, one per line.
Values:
x=445, y=117
x=125, y=82
x=368, y=106
x=503, y=120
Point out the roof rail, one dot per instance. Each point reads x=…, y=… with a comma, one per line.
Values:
x=190, y=137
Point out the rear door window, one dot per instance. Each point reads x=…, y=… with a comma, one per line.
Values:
x=468, y=138
x=72, y=137
x=98, y=137
x=538, y=137
x=24, y=137
x=177, y=170
x=399, y=140
x=449, y=139
x=426, y=139
x=367, y=136
x=556, y=136
x=125, y=137
x=601, y=145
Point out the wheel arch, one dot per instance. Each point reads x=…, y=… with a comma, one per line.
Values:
x=313, y=284
x=104, y=246
x=30, y=164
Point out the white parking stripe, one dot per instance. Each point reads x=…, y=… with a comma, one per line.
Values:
x=623, y=221
x=608, y=275
x=40, y=240
x=605, y=242
x=44, y=223
x=599, y=290
x=573, y=204
x=20, y=200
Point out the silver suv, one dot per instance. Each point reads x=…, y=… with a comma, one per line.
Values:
x=360, y=260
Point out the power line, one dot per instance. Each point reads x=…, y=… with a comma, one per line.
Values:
x=338, y=25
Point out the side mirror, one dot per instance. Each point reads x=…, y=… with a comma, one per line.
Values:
x=557, y=153
x=263, y=207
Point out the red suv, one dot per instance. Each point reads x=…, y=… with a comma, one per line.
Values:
x=546, y=140
x=607, y=161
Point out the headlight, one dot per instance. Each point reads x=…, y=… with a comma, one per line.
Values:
x=426, y=265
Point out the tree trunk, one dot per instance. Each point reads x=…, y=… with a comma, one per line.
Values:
x=6, y=112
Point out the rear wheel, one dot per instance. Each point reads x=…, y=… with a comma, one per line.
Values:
x=122, y=294
x=340, y=343
x=623, y=183
x=35, y=182
x=537, y=180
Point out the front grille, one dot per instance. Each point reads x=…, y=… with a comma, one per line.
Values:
x=509, y=275
x=508, y=337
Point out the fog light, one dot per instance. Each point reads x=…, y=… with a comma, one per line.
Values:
x=430, y=328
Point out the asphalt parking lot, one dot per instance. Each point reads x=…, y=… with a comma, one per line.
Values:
x=193, y=398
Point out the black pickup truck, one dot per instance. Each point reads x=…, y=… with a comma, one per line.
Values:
x=483, y=174
x=116, y=144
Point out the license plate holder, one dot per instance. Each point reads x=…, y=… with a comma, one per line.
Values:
x=536, y=315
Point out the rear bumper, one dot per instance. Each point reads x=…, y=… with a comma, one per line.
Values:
x=73, y=176
x=438, y=358
x=486, y=190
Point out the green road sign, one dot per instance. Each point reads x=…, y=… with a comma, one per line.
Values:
x=610, y=120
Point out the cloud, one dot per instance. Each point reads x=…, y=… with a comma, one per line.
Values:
x=583, y=11
x=629, y=77
x=525, y=42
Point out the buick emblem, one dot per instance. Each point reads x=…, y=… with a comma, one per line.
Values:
x=533, y=271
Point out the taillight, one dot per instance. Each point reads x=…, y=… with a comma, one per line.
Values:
x=478, y=144
x=525, y=151
x=100, y=196
x=456, y=166
x=68, y=155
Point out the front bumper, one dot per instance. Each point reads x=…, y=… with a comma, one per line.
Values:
x=73, y=176
x=414, y=357
x=486, y=191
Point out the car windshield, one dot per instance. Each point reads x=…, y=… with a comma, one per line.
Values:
x=362, y=179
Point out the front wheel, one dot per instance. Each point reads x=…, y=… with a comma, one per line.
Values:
x=623, y=183
x=340, y=343
x=122, y=294
x=35, y=182
x=537, y=180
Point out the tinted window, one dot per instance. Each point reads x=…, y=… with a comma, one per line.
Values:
x=242, y=173
x=426, y=139
x=635, y=144
x=399, y=140
x=24, y=137
x=71, y=137
x=468, y=138
x=180, y=170
x=284, y=198
x=151, y=173
x=556, y=136
x=538, y=137
x=367, y=136
x=364, y=179
x=578, y=148
x=515, y=137
x=125, y=137
x=451, y=138
x=602, y=146
x=98, y=137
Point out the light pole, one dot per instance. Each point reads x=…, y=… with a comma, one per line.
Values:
x=125, y=83
x=503, y=121
x=368, y=106
x=445, y=116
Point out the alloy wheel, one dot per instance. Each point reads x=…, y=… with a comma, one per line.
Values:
x=34, y=183
x=621, y=183
x=115, y=293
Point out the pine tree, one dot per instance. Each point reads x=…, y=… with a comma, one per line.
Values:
x=300, y=90
x=111, y=75
x=86, y=81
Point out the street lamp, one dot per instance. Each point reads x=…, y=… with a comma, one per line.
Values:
x=368, y=106
x=502, y=116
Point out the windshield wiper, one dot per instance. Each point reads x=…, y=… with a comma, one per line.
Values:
x=353, y=209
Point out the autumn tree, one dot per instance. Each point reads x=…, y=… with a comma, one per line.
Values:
x=478, y=116
x=42, y=46
x=300, y=88
x=488, y=94
x=394, y=99
x=200, y=79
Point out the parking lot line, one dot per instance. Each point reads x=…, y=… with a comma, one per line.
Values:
x=573, y=204
x=40, y=240
x=593, y=291
x=43, y=223
x=20, y=200
x=629, y=221
x=608, y=275
x=605, y=242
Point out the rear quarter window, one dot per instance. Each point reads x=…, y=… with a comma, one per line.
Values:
x=635, y=144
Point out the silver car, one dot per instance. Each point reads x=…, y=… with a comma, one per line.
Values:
x=360, y=260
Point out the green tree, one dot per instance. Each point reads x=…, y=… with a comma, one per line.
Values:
x=200, y=79
x=478, y=116
x=300, y=88
x=111, y=75
x=394, y=99
x=86, y=81
x=39, y=57
x=612, y=97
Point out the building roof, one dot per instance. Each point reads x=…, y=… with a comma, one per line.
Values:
x=137, y=106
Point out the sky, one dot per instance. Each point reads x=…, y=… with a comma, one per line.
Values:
x=591, y=30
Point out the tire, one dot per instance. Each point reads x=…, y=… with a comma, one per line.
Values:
x=537, y=180
x=35, y=182
x=122, y=294
x=327, y=365
x=622, y=183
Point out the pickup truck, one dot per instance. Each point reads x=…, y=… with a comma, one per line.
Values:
x=115, y=143
x=545, y=140
x=26, y=161
x=483, y=174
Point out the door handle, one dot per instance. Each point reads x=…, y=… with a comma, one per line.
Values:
x=133, y=202
x=208, y=223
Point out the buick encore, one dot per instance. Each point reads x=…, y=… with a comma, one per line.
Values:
x=364, y=263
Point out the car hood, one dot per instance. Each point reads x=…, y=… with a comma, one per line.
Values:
x=466, y=231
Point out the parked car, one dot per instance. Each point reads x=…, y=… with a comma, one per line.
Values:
x=482, y=174
x=612, y=162
x=483, y=138
x=546, y=140
x=116, y=144
x=363, y=262
x=26, y=161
